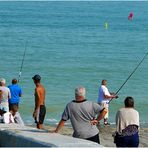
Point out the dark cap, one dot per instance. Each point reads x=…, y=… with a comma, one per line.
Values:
x=36, y=77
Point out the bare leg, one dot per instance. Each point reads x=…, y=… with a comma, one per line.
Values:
x=39, y=126
x=105, y=120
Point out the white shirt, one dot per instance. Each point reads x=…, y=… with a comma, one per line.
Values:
x=5, y=96
x=103, y=90
x=5, y=93
x=8, y=118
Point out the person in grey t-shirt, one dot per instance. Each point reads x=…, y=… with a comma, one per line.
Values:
x=82, y=114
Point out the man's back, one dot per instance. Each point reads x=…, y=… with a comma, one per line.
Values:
x=40, y=94
x=80, y=115
x=103, y=90
x=16, y=92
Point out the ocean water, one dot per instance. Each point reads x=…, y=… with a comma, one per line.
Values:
x=68, y=45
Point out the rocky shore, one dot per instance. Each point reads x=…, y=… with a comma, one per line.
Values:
x=106, y=132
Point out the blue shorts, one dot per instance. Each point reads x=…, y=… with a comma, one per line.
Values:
x=127, y=141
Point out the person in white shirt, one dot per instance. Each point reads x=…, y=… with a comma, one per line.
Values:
x=13, y=116
x=8, y=118
x=103, y=99
x=4, y=95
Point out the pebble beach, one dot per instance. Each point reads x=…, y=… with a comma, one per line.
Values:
x=106, y=132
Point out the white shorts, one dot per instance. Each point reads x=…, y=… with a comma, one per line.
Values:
x=105, y=105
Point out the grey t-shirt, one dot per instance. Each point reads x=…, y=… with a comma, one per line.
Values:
x=80, y=115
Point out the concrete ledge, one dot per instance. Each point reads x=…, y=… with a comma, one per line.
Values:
x=13, y=135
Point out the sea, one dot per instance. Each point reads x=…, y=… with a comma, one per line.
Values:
x=75, y=43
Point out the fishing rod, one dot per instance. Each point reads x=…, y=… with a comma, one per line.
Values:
x=22, y=62
x=130, y=75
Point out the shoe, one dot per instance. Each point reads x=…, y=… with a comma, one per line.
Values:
x=107, y=124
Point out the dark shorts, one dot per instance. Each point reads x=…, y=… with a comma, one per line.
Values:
x=94, y=138
x=41, y=114
x=12, y=104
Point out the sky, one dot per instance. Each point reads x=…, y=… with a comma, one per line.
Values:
x=76, y=0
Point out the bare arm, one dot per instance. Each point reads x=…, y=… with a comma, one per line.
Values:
x=60, y=125
x=9, y=94
x=111, y=96
x=38, y=98
x=100, y=116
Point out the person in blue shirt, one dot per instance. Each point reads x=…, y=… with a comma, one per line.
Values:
x=16, y=93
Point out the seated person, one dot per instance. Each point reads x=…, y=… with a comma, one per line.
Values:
x=13, y=116
x=1, y=115
x=8, y=118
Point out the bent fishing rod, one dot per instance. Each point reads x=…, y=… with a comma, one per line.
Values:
x=20, y=72
x=130, y=75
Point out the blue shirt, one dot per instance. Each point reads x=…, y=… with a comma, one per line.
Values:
x=16, y=92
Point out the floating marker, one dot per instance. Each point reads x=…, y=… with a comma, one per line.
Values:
x=106, y=25
x=131, y=15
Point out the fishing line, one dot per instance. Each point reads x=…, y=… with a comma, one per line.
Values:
x=130, y=75
x=20, y=72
